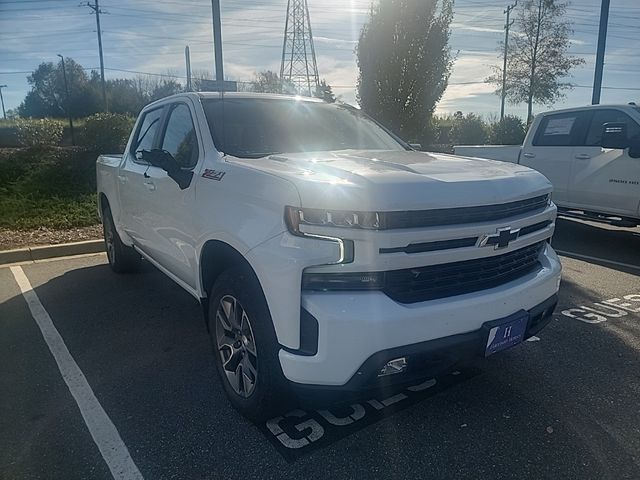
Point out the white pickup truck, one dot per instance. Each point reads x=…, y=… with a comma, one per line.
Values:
x=327, y=254
x=591, y=155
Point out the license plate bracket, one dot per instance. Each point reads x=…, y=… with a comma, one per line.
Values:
x=505, y=332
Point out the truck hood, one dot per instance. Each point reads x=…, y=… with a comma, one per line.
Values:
x=399, y=180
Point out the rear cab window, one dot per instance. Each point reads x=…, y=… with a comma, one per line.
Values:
x=562, y=130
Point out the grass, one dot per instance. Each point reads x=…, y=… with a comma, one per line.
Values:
x=50, y=187
x=24, y=213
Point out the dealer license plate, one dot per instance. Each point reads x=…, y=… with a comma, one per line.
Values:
x=507, y=334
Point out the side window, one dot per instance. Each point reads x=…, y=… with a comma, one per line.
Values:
x=560, y=130
x=600, y=117
x=147, y=131
x=180, y=136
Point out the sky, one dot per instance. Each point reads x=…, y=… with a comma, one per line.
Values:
x=150, y=35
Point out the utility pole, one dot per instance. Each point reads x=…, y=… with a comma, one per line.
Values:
x=602, y=43
x=66, y=90
x=96, y=9
x=507, y=26
x=4, y=114
x=187, y=59
x=217, y=42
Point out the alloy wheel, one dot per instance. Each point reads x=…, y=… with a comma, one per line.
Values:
x=236, y=346
x=109, y=240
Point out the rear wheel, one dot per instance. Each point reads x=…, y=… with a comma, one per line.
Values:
x=122, y=259
x=245, y=345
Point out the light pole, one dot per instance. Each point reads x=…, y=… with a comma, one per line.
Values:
x=602, y=44
x=66, y=89
x=507, y=26
x=4, y=114
x=217, y=43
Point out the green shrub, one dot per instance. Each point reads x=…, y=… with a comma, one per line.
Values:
x=39, y=132
x=511, y=130
x=469, y=129
x=47, y=186
x=107, y=132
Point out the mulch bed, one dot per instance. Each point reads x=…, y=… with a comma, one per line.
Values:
x=11, y=239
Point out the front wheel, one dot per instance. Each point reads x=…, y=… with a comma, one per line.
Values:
x=245, y=345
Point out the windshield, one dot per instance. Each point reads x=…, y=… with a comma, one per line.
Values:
x=255, y=127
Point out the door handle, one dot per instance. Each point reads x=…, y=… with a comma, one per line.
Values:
x=150, y=186
x=123, y=179
x=583, y=156
x=529, y=155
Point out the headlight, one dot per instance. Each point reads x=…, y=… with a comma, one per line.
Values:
x=295, y=217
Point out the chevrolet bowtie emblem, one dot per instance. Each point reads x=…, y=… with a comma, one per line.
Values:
x=501, y=239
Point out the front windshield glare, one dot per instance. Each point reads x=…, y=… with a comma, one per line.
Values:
x=254, y=127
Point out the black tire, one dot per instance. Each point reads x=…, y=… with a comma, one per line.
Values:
x=267, y=394
x=122, y=259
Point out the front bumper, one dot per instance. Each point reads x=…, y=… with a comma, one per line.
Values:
x=425, y=359
x=354, y=327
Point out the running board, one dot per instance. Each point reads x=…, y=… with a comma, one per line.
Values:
x=595, y=217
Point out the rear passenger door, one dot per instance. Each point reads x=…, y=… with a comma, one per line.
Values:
x=131, y=176
x=606, y=180
x=551, y=149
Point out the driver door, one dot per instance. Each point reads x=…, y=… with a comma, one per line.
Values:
x=168, y=221
x=606, y=180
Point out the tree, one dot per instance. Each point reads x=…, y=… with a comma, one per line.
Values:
x=537, y=55
x=47, y=97
x=124, y=97
x=266, y=82
x=269, y=82
x=468, y=129
x=511, y=130
x=325, y=92
x=404, y=61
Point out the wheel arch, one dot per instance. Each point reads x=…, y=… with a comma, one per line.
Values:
x=103, y=202
x=216, y=257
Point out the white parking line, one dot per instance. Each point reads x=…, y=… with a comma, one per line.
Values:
x=104, y=433
x=603, y=260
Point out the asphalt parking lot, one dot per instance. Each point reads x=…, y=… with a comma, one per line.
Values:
x=564, y=406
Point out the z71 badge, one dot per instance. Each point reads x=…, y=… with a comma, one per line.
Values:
x=213, y=174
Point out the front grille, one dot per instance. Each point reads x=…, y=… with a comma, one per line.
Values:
x=433, y=246
x=460, y=215
x=457, y=242
x=447, y=280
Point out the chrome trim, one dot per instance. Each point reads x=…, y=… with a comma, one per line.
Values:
x=339, y=241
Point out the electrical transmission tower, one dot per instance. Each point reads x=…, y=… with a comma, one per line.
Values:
x=299, y=65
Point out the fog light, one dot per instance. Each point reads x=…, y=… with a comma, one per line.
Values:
x=397, y=365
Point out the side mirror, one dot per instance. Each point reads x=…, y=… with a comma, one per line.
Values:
x=416, y=146
x=614, y=135
x=164, y=160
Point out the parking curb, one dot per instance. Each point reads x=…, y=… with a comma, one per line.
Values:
x=31, y=254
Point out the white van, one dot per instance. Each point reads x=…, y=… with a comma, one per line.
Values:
x=591, y=155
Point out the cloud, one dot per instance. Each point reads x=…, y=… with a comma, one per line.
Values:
x=464, y=26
